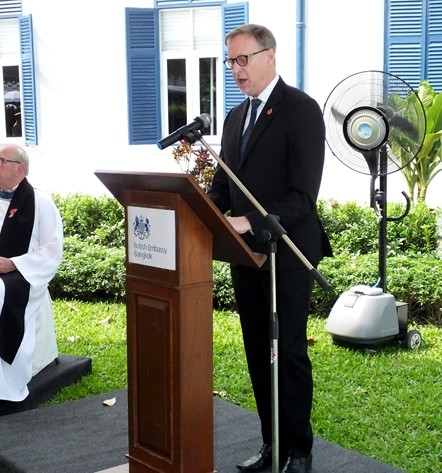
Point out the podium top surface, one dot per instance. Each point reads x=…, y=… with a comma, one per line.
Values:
x=227, y=244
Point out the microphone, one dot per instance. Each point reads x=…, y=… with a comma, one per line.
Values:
x=200, y=123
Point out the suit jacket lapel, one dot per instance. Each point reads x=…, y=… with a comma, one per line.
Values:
x=265, y=117
x=236, y=139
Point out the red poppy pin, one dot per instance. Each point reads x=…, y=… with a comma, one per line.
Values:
x=12, y=212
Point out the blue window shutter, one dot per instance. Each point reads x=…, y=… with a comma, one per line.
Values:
x=413, y=46
x=29, y=109
x=405, y=40
x=10, y=9
x=434, y=50
x=143, y=75
x=234, y=15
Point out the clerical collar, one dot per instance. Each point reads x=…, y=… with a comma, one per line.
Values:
x=6, y=195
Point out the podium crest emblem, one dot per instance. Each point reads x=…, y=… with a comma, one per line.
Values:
x=141, y=227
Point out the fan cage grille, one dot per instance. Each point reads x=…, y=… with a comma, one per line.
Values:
x=395, y=99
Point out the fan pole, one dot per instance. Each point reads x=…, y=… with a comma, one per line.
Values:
x=373, y=113
x=382, y=202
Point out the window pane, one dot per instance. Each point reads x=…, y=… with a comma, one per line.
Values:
x=191, y=50
x=176, y=30
x=12, y=103
x=208, y=89
x=9, y=39
x=207, y=27
x=176, y=93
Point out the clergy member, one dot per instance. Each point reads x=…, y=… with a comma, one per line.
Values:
x=31, y=245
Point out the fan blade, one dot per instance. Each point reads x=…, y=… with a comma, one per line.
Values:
x=395, y=119
x=372, y=113
x=371, y=157
x=338, y=116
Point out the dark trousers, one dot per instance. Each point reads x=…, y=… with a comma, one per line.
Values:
x=293, y=289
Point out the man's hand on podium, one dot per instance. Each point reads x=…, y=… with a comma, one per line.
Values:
x=240, y=224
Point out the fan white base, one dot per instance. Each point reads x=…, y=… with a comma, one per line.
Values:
x=365, y=315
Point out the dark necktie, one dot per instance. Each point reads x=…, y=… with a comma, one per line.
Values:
x=6, y=195
x=245, y=137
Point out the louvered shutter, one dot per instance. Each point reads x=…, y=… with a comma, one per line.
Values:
x=413, y=46
x=29, y=110
x=10, y=8
x=234, y=15
x=405, y=43
x=434, y=50
x=143, y=75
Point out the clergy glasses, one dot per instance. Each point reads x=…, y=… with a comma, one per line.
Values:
x=4, y=160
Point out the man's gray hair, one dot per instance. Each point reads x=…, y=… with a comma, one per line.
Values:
x=22, y=156
x=263, y=35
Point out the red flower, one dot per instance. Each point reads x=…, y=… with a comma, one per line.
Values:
x=12, y=212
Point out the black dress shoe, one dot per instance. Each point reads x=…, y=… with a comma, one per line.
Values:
x=258, y=462
x=298, y=465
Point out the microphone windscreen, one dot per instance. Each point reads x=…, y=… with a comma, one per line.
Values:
x=206, y=120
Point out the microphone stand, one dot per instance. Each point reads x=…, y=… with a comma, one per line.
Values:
x=273, y=233
x=316, y=274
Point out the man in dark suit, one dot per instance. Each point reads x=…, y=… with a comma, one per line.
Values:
x=281, y=166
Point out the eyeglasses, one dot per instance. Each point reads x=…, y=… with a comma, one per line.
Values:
x=242, y=60
x=4, y=160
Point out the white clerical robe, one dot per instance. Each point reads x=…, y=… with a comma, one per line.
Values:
x=38, y=347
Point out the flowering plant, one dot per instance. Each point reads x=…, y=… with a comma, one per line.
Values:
x=203, y=166
x=12, y=213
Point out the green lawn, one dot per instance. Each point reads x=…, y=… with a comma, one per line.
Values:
x=386, y=406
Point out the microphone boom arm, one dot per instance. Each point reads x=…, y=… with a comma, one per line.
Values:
x=316, y=274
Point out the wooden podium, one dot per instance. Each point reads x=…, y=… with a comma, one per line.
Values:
x=169, y=316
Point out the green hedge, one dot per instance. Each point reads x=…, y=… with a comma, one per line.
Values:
x=415, y=279
x=354, y=229
x=89, y=271
x=97, y=220
x=93, y=263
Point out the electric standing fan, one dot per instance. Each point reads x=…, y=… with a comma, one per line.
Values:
x=375, y=125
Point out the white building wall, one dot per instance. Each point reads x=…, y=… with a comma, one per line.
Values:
x=82, y=95
x=82, y=88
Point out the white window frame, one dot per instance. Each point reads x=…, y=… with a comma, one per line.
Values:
x=11, y=31
x=192, y=57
